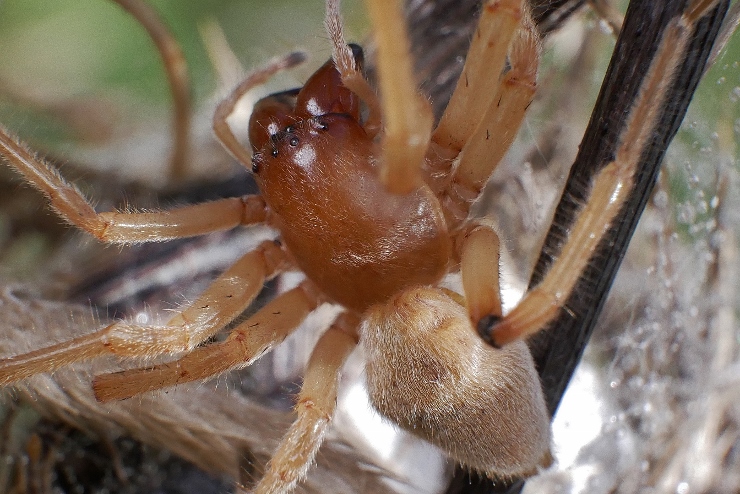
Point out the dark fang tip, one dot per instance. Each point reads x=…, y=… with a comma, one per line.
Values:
x=485, y=329
x=358, y=55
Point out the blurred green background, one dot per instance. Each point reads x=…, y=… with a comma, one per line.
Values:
x=66, y=50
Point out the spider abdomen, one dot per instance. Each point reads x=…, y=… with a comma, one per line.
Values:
x=482, y=405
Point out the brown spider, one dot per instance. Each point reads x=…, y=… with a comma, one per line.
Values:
x=372, y=205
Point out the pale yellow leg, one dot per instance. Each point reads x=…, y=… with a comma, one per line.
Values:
x=407, y=116
x=480, y=255
x=227, y=297
x=177, y=75
x=481, y=74
x=245, y=344
x=314, y=410
x=494, y=134
x=221, y=127
x=610, y=188
x=125, y=227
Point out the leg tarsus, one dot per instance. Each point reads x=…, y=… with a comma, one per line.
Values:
x=315, y=408
x=51, y=358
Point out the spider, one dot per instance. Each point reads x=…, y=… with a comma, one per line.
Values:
x=372, y=205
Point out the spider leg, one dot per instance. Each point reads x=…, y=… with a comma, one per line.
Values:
x=479, y=249
x=314, y=409
x=609, y=190
x=479, y=82
x=127, y=227
x=227, y=297
x=226, y=106
x=177, y=75
x=245, y=344
x=407, y=115
x=486, y=146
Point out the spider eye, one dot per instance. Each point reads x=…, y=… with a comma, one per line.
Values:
x=274, y=152
x=293, y=141
x=269, y=116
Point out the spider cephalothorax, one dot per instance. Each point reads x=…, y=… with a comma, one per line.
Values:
x=356, y=240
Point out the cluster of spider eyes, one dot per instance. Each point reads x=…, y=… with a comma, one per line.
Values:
x=281, y=135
